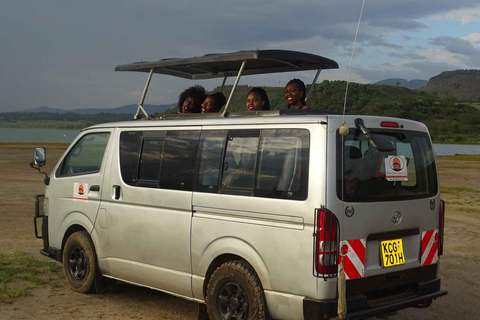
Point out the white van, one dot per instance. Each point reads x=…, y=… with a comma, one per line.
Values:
x=253, y=213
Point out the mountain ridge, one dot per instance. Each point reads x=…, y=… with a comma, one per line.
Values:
x=126, y=109
x=461, y=84
x=410, y=84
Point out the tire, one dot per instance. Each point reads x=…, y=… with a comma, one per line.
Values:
x=235, y=292
x=80, y=262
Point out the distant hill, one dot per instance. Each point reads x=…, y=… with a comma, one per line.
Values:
x=448, y=119
x=330, y=95
x=43, y=109
x=128, y=109
x=412, y=84
x=461, y=84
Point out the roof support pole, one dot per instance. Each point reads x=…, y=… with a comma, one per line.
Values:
x=142, y=99
x=223, y=83
x=313, y=84
x=234, y=87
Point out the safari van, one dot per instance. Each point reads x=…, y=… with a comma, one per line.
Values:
x=283, y=214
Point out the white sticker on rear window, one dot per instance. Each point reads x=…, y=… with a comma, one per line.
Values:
x=396, y=168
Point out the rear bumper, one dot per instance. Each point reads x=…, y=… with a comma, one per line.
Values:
x=361, y=306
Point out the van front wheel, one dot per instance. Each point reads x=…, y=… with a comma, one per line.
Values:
x=79, y=262
x=234, y=292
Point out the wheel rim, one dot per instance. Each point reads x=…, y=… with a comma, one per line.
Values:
x=232, y=302
x=77, y=263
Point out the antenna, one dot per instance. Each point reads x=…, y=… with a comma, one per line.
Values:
x=351, y=60
x=343, y=130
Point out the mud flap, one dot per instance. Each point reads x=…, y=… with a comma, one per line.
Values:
x=202, y=312
x=103, y=284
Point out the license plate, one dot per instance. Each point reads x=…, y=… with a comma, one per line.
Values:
x=392, y=253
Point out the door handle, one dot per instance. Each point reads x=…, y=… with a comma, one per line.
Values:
x=95, y=188
x=117, y=192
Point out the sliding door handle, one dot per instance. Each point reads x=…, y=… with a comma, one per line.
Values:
x=117, y=192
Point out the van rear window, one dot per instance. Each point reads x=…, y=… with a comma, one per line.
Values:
x=408, y=172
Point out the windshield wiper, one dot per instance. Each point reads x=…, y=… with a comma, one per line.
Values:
x=378, y=141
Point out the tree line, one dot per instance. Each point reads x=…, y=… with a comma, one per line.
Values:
x=447, y=119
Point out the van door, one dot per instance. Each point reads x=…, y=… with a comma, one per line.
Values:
x=148, y=216
x=251, y=202
x=390, y=200
x=76, y=184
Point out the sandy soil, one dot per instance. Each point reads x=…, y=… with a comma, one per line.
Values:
x=460, y=265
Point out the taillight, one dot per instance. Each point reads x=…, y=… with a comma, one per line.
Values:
x=326, y=244
x=441, y=226
x=389, y=124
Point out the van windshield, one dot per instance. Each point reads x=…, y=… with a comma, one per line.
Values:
x=408, y=172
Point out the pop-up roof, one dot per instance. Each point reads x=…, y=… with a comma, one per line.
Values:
x=224, y=65
x=219, y=65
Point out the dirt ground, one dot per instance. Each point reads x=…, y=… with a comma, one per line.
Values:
x=459, y=268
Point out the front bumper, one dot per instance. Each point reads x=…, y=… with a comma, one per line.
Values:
x=39, y=215
x=381, y=300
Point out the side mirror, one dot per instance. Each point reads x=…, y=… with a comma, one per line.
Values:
x=39, y=160
x=40, y=157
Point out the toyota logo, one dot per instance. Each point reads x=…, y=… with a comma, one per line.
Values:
x=396, y=217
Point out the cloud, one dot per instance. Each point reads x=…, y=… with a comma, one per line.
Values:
x=62, y=54
x=399, y=23
x=456, y=45
x=473, y=37
x=442, y=57
x=465, y=15
x=423, y=69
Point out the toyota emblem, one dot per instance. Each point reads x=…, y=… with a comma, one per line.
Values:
x=396, y=217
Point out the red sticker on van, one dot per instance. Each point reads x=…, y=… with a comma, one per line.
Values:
x=80, y=191
x=354, y=258
x=429, y=247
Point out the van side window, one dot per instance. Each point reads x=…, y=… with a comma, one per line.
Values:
x=150, y=161
x=239, y=162
x=179, y=156
x=283, y=164
x=86, y=156
x=209, y=160
x=141, y=156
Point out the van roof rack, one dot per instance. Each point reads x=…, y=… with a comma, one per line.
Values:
x=223, y=65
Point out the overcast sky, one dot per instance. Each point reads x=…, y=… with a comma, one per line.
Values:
x=62, y=54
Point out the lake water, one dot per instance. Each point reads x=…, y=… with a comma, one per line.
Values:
x=37, y=135
x=67, y=136
x=442, y=149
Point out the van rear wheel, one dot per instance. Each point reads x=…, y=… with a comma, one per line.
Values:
x=235, y=292
x=80, y=262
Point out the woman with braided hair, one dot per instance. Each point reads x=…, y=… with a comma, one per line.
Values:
x=295, y=93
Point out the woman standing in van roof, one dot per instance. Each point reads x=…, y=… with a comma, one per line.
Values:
x=214, y=102
x=295, y=93
x=257, y=100
x=191, y=99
